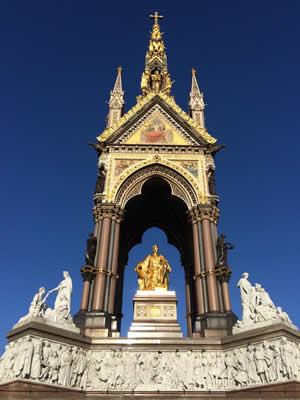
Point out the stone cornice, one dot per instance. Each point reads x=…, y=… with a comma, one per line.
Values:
x=153, y=149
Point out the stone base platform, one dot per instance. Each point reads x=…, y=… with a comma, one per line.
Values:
x=46, y=362
x=29, y=390
x=155, y=315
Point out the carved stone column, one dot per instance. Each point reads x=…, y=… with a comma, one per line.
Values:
x=224, y=281
x=87, y=273
x=214, y=236
x=96, y=229
x=114, y=275
x=206, y=214
x=113, y=260
x=188, y=297
x=226, y=297
x=197, y=267
x=94, y=319
x=101, y=263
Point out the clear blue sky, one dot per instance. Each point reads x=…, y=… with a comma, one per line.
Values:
x=58, y=65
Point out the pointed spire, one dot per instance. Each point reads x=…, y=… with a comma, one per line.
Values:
x=196, y=102
x=156, y=77
x=116, y=101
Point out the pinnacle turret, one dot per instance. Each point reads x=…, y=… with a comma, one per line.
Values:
x=196, y=102
x=116, y=101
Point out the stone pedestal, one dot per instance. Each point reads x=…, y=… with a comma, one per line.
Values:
x=155, y=315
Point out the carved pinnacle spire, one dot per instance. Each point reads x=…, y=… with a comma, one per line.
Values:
x=117, y=91
x=156, y=77
x=196, y=102
x=116, y=101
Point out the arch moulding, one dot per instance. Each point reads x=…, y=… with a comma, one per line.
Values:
x=180, y=187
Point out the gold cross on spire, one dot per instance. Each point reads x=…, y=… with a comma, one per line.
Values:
x=156, y=16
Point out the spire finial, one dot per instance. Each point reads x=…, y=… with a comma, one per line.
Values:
x=156, y=77
x=120, y=68
x=194, y=72
x=156, y=16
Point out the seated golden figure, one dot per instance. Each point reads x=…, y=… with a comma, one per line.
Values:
x=153, y=271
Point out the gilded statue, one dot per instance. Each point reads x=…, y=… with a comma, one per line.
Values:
x=153, y=271
x=156, y=79
x=156, y=35
x=168, y=84
x=144, y=83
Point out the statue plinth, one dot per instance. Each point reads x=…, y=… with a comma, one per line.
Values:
x=155, y=315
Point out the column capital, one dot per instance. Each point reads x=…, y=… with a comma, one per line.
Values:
x=223, y=274
x=108, y=210
x=204, y=211
x=88, y=272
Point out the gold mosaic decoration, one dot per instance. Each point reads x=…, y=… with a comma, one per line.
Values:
x=155, y=159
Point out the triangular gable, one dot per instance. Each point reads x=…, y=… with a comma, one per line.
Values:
x=157, y=128
x=199, y=135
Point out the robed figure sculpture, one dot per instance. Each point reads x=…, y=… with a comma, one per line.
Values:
x=153, y=272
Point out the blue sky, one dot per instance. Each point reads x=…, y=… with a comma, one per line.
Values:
x=58, y=65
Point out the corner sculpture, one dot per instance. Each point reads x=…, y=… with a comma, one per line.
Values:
x=90, y=253
x=37, y=306
x=222, y=248
x=153, y=271
x=61, y=313
x=258, y=308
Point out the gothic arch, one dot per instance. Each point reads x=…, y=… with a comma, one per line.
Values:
x=180, y=187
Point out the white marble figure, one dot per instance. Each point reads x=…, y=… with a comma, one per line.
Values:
x=37, y=306
x=247, y=298
x=283, y=315
x=54, y=363
x=62, y=306
x=36, y=360
x=66, y=360
x=45, y=361
x=265, y=309
x=257, y=306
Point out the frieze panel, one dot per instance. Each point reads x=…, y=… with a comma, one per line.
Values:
x=51, y=362
x=157, y=311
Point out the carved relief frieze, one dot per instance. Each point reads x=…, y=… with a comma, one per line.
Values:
x=126, y=369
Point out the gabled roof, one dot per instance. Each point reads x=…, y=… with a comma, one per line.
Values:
x=144, y=104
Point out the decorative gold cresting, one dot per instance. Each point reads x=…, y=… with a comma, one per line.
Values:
x=156, y=77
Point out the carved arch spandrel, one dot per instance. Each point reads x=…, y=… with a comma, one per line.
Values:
x=180, y=187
